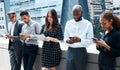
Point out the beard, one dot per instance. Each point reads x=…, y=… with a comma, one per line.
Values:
x=80, y=18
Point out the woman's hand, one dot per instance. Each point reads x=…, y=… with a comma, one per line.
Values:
x=47, y=39
x=52, y=39
x=102, y=43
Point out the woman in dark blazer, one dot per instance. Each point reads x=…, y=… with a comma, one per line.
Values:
x=109, y=46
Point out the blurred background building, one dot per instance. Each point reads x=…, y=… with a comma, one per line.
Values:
x=38, y=9
x=116, y=7
x=96, y=7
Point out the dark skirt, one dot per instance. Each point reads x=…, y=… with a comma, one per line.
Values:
x=51, y=55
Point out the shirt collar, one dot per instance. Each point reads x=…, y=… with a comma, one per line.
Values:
x=29, y=23
x=13, y=23
x=79, y=21
x=111, y=32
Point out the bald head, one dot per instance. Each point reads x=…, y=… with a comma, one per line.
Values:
x=78, y=7
x=77, y=12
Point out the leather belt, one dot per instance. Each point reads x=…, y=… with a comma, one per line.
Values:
x=30, y=44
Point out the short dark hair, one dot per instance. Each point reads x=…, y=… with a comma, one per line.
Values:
x=24, y=13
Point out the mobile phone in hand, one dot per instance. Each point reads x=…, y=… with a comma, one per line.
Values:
x=95, y=39
x=70, y=37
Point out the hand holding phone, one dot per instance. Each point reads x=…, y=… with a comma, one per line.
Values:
x=95, y=39
x=8, y=35
x=70, y=37
x=75, y=39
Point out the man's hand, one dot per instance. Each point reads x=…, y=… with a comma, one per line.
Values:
x=69, y=41
x=8, y=35
x=76, y=39
x=73, y=40
x=24, y=36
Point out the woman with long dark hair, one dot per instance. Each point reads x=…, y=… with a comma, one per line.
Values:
x=51, y=52
x=109, y=47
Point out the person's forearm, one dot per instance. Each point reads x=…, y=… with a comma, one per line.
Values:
x=55, y=40
x=107, y=47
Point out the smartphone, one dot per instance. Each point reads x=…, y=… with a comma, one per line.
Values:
x=21, y=34
x=95, y=39
x=70, y=37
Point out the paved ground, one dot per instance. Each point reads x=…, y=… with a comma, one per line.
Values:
x=2, y=68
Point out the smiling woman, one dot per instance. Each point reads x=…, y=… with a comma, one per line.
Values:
x=109, y=47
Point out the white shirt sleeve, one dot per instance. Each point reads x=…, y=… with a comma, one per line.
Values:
x=66, y=32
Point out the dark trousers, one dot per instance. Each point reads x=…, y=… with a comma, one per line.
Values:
x=76, y=59
x=29, y=55
x=15, y=58
x=106, y=62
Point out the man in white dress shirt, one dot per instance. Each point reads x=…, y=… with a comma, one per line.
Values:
x=78, y=34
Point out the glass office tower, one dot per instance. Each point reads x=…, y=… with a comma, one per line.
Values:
x=37, y=8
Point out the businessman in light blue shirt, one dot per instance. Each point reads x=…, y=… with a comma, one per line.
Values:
x=30, y=45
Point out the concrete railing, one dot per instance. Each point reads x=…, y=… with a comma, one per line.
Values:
x=92, y=62
x=92, y=58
